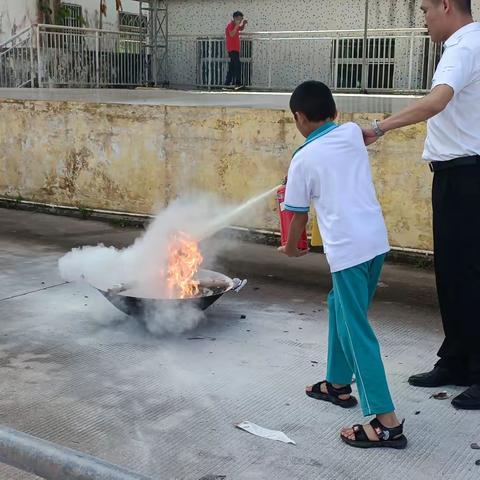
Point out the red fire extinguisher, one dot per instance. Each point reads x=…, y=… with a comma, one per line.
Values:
x=286, y=218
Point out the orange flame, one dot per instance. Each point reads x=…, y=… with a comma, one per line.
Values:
x=184, y=260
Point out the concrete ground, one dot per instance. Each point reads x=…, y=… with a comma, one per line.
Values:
x=77, y=372
x=350, y=103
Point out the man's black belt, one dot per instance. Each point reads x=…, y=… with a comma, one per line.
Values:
x=456, y=162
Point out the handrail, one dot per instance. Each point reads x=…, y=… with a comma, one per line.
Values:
x=246, y=34
x=17, y=35
x=82, y=29
x=274, y=39
x=335, y=33
x=393, y=30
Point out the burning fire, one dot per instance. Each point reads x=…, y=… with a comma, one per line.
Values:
x=184, y=259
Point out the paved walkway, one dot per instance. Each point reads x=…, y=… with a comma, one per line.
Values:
x=79, y=373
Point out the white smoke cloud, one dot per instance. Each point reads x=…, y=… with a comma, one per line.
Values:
x=140, y=264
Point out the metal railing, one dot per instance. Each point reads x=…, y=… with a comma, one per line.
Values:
x=52, y=55
x=17, y=60
x=85, y=57
x=398, y=60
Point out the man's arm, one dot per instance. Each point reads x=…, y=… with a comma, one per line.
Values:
x=421, y=110
x=297, y=226
x=234, y=30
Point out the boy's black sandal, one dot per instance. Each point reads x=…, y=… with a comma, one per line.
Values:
x=387, y=437
x=333, y=394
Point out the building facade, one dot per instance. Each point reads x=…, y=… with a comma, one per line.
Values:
x=201, y=17
x=321, y=39
x=284, y=44
x=16, y=15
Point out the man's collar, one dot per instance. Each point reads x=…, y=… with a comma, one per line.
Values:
x=457, y=36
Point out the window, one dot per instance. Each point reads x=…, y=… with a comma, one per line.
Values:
x=348, y=63
x=132, y=23
x=71, y=15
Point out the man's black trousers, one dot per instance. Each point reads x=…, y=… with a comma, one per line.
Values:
x=234, y=69
x=456, y=231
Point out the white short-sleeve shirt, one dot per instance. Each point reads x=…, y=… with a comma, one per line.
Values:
x=333, y=172
x=455, y=132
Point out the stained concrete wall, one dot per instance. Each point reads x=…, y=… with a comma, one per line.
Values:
x=135, y=157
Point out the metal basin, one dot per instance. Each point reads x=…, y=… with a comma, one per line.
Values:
x=134, y=302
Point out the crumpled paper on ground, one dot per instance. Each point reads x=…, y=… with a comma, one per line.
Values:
x=264, y=432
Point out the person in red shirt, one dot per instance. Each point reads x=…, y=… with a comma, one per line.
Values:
x=232, y=34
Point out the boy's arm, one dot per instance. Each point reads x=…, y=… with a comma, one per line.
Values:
x=297, y=227
x=297, y=201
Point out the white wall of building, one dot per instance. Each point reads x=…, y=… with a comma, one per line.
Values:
x=297, y=61
x=208, y=17
x=200, y=17
x=15, y=15
x=91, y=12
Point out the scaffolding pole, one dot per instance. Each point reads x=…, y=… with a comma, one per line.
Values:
x=156, y=40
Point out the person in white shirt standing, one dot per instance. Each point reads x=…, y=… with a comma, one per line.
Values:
x=452, y=149
x=332, y=170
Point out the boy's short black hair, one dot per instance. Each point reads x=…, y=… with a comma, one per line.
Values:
x=315, y=100
x=237, y=14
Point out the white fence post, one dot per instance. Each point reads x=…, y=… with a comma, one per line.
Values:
x=410, y=64
x=270, y=61
x=209, y=63
x=364, y=80
x=32, y=63
x=39, y=60
x=336, y=44
x=97, y=59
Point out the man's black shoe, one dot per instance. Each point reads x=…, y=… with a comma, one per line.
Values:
x=469, y=399
x=438, y=377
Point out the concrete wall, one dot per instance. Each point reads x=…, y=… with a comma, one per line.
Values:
x=134, y=157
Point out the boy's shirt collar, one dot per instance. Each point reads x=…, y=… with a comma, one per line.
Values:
x=319, y=132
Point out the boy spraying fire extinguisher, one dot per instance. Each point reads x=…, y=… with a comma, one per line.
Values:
x=332, y=171
x=286, y=217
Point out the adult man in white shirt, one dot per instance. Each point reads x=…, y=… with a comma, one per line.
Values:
x=452, y=148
